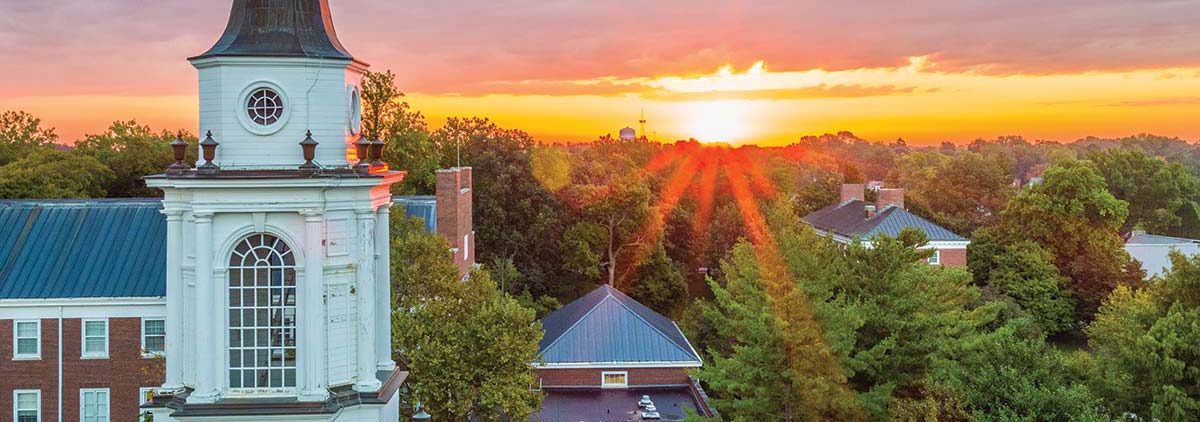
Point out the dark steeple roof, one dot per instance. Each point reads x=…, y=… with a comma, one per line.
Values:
x=279, y=28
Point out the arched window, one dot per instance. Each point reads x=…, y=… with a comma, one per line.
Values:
x=262, y=314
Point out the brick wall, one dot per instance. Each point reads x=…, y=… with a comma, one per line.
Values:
x=123, y=373
x=954, y=258
x=454, y=214
x=591, y=377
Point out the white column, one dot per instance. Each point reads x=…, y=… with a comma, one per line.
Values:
x=175, y=294
x=365, y=289
x=383, y=290
x=207, y=390
x=312, y=333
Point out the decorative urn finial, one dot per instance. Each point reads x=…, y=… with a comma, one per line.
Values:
x=179, y=147
x=209, y=149
x=310, y=152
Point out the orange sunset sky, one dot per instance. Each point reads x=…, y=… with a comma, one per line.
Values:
x=762, y=72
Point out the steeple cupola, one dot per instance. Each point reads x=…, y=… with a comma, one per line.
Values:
x=277, y=73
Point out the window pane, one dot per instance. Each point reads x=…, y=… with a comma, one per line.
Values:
x=94, y=328
x=94, y=345
x=156, y=327
x=27, y=329
x=27, y=346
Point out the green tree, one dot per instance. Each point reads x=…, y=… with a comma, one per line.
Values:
x=49, y=173
x=612, y=214
x=133, y=152
x=1012, y=375
x=409, y=147
x=20, y=134
x=516, y=216
x=961, y=192
x=777, y=332
x=1025, y=272
x=1072, y=215
x=659, y=284
x=468, y=345
x=1146, y=346
x=1156, y=191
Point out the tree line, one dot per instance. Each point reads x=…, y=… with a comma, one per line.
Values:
x=1051, y=320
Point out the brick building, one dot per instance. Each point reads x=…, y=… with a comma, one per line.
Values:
x=83, y=308
x=853, y=219
x=604, y=352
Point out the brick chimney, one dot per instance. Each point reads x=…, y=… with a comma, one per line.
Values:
x=851, y=191
x=893, y=196
x=454, y=216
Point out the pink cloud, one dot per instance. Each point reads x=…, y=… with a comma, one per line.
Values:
x=71, y=47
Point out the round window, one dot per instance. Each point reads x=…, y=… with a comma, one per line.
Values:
x=355, y=118
x=264, y=107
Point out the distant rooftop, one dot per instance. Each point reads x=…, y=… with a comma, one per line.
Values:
x=1140, y=238
x=53, y=249
x=606, y=326
x=850, y=219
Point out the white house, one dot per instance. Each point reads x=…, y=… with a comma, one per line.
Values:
x=1153, y=251
x=277, y=251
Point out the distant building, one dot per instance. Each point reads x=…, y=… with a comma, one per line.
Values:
x=628, y=134
x=853, y=219
x=1153, y=251
x=603, y=353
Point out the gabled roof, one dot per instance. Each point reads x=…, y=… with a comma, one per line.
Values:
x=279, y=28
x=1153, y=239
x=850, y=219
x=54, y=249
x=607, y=327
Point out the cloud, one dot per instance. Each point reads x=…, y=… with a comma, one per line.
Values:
x=115, y=47
x=819, y=91
x=1155, y=102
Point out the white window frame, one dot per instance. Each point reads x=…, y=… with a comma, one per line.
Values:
x=936, y=258
x=605, y=374
x=37, y=393
x=38, y=340
x=83, y=352
x=146, y=353
x=107, y=402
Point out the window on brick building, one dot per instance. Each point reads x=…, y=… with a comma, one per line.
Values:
x=154, y=337
x=614, y=379
x=93, y=405
x=27, y=339
x=95, y=338
x=936, y=258
x=27, y=405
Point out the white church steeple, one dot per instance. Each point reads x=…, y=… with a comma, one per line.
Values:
x=277, y=72
x=278, y=289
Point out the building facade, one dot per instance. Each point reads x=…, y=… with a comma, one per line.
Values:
x=82, y=308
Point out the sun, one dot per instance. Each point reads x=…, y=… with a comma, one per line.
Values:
x=717, y=121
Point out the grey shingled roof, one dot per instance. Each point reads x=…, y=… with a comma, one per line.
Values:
x=279, y=28
x=56, y=249
x=850, y=219
x=606, y=326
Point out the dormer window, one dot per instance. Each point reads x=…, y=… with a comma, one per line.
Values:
x=264, y=107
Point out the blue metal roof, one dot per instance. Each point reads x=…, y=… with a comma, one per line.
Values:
x=420, y=206
x=606, y=326
x=850, y=219
x=82, y=248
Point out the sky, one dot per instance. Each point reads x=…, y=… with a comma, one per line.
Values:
x=763, y=71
